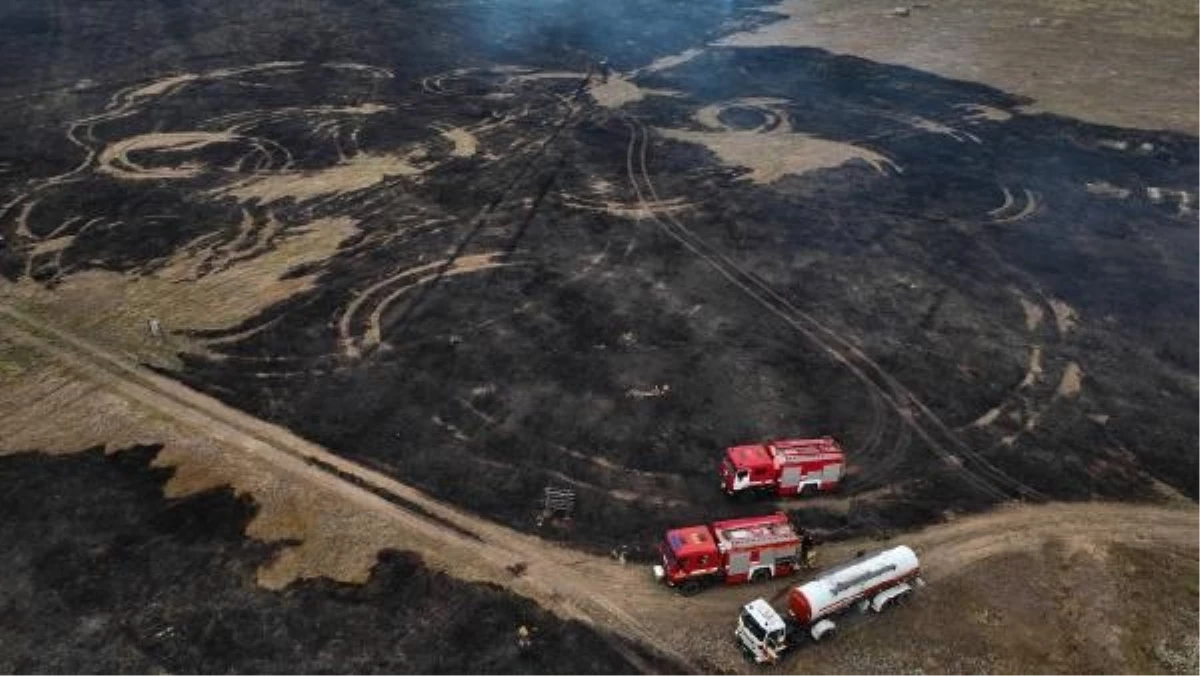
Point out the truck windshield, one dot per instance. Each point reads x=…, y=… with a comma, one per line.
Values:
x=751, y=625
x=669, y=554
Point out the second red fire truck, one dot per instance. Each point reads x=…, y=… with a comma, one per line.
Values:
x=785, y=468
x=732, y=552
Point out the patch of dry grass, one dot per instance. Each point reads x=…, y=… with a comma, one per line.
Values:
x=118, y=306
x=356, y=173
x=49, y=409
x=770, y=157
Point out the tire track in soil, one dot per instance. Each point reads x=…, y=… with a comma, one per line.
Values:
x=908, y=421
x=987, y=478
x=481, y=220
x=1029, y=399
x=879, y=422
x=879, y=473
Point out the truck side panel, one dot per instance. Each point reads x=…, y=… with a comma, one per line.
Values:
x=739, y=564
x=789, y=478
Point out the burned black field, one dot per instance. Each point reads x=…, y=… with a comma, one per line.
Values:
x=135, y=583
x=501, y=278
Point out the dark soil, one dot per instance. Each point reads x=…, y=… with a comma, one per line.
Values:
x=489, y=387
x=104, y=575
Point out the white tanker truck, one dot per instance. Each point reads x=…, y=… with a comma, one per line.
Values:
x=867, y=582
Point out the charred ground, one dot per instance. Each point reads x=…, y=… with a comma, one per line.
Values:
x=604, y=289
x=104, y=575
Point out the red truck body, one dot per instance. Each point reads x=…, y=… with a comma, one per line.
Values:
x=733, y=552
x=784, y=468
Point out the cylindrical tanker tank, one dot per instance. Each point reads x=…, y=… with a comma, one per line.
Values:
x=853, y=581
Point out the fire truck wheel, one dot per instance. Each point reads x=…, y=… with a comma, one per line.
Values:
x=760, y=575
x=688, y=588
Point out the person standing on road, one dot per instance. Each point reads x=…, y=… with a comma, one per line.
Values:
x=808, y=556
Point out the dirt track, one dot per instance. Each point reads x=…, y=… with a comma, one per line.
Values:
x=950, y=548
x=620, y=598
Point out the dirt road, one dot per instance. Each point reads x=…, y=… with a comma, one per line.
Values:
x=621, y=599
x=948, y=549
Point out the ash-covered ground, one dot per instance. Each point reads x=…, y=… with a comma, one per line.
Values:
x=105, y=575
x=425, y=238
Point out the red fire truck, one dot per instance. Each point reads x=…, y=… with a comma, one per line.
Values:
x=784, y=468
x=733, y=552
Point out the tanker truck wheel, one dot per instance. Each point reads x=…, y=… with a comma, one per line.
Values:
x=886, y=599
x=823, y=630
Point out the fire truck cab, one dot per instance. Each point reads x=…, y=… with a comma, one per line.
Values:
x=784, y=468
x=732, y=551
x=690, y=558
